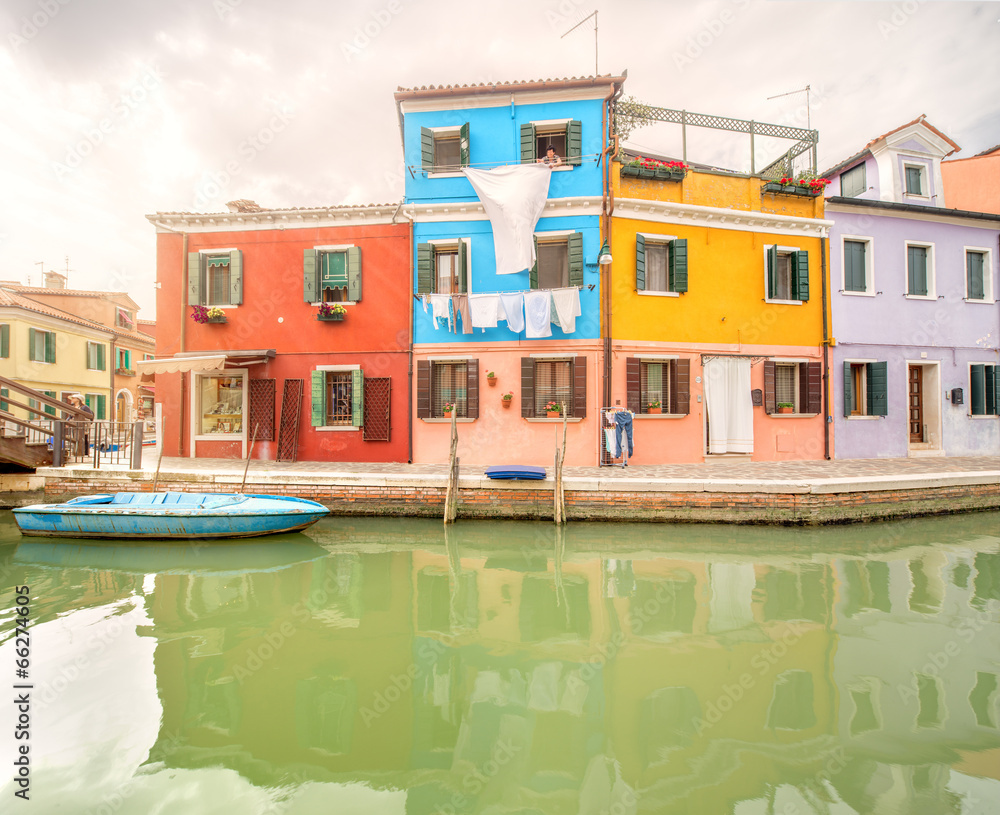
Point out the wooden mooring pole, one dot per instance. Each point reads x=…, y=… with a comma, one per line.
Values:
x=451, y=494
x=559, y=498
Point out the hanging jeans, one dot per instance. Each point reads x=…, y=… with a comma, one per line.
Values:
x=623, y=421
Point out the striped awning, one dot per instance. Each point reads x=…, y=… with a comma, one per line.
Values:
x=180, y=363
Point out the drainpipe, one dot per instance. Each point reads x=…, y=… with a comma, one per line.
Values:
x=409, y=353
x=608, y=207
x=826, y=352
x=181, y=332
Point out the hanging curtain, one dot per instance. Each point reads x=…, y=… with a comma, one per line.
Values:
x=729, y=405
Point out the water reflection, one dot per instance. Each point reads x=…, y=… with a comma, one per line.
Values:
x=389, y=666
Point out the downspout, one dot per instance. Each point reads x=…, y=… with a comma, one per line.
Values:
x=607, y=208
x=826, y=352
x=409, y=367
x=182, y=331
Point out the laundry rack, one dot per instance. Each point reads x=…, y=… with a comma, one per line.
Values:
x=606, y=458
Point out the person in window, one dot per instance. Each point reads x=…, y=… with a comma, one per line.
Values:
x=550, y=157
x=77, y=401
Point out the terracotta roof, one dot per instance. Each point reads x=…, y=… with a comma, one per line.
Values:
x=236, y=215
x=33, y=290
x=11, y=297
x=921, y=119
x=988, y=152
x=517, y=85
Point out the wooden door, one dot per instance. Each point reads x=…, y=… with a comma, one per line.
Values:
x=916, y=403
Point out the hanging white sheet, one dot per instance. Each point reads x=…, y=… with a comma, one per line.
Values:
x=729, y=404
x=537, y=314
x=513, y=197
x=512, y=304
x=484, y=309
x=566, y=308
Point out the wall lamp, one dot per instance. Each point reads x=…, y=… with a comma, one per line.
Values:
x=604, y=256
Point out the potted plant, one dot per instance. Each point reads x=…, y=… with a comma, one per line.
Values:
x=641, y=167
x=507, y=398
x=447, y=409
x=491, y=377
x=204, y=314
x=809, y=185
x=331, y=312
x=786, y=407
x=552, y=410
x=654, y=407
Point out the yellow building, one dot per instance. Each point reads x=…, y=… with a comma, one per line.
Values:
x=716, y=313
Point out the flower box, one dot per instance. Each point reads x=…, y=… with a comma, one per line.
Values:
x=646, y=172
x=655, y=410
x=221, y=319
x=552, y=414
x=332, y=317
x=792, y=189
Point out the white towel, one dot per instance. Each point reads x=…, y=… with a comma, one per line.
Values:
x=484, y=309
x=513, y=305
x=567, y=308
x=611, y=442
x=424, y=299
x=538, y=313
x=441, y=308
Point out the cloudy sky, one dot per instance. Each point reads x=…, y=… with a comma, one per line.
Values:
x=115, y=109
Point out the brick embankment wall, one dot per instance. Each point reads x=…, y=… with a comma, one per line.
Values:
x=510, y=500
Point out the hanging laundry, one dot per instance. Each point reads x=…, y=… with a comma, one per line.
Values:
x=538, y=314
x=460, y=302
x=441, y=309
x=513, y=197
x=485, y=310
x=512, y=304
x=425, y=301
x=611, y=442
x=566, y=305
x=623, y=421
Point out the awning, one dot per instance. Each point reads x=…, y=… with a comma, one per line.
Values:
x=179, y=363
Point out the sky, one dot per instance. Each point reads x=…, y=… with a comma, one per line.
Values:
x=112, y=110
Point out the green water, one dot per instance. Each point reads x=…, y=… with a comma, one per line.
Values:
x=378, y=666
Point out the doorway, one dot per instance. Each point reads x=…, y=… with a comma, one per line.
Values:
x=923, y=408
x=915, y=403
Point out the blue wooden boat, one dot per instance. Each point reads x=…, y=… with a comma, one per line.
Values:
x=169, y=515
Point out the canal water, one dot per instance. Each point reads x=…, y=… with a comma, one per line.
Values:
x=384, y=666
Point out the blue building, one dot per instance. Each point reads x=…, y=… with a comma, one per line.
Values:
x=446, y=131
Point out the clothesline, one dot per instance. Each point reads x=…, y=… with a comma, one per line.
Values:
x=530, y=311
x=590, y=287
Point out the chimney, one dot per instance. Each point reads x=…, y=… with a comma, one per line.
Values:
x=244, y=205
x=54, y=280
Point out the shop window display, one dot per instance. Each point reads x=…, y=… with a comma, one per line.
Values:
x=221, y=405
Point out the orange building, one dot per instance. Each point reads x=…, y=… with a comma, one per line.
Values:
x=973, y=184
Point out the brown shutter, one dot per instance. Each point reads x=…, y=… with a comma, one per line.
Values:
x=682, y=376
x=472, y=388
x=812, y=374
x=769, y=399
x=633, y=383
x=579, y=387
x=527, y=387
x=423, y=389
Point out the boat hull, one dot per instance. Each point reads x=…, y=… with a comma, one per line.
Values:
x=177, y=516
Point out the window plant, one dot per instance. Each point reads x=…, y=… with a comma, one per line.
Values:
x=331, y=310
x=491, y=377
x=447, y=408
x=654, y=406
x=803, y=184
x=204, y=314
x=785, y=407
x=552, y=407
x=507, y=398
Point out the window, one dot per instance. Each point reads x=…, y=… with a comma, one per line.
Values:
x=124, y=360
x=553, y=380
x=660, y=264
x=857, y=266
x=978, y=276
x=914, y=180
x=215, y=278
x=41, y=345
x=4, y=340
x=95, y=357
x=799, y=384
x=98, y=403
x=919, y=271
x=444, y=149
x=852, y=182
x=338, y=397
x=865, y=389
x=452, y=382
x=442, y=267
x=984, y=390
x=124, y=319
x=3, y=403
x=565, y=136
x=220, y=405
x=49, y=409
x=787, y=274
x=558, y=261
x=666, y=381
x=331, y=275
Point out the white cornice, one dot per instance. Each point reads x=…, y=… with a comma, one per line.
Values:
x=273, y=219
x=501, y=98
x=738, y=220
x=473, y=210
x=945, y=217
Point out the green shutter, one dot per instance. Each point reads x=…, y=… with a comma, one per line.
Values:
x=48, y=408
x=848, y=389
x=128, y=360
x=772, y=271
x=878, y=388
x=100, y=358
x=318, y=398
x=235, y=277
x=992, y=389
x=854, y=266
x=309, y=276
x=800, y=276
x=31, y=344
x=194, y=279
x=357, y=398
x=425, y=268
x=977, y=389
x=463, y=267
x=678, y=260
x=463, y=143
x=3, y=404
x=575, y=245
x=527, y=143
x=974, y=273
x=4, y=341
x=574, y=142
x=102, y=406
x=354, y=274
x=640, y=263
x=533, y=274
x=50, y=346
x=426, y=148
x=916, y=257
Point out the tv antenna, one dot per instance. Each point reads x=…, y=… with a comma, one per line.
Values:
x=800, y=90
x=574, y=28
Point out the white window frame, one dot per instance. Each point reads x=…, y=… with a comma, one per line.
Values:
x=767, y=294
x=231, y=373
x=203, y=270
x=931, y=271
x=340, y=247
x=923, y=179
x=550, y=126
x=656, y=238
x=337, y=369
x=446, y=131
x=989, y=297
x=453, y=243
x=863, y=401
x=95, y=346
x=869, y=265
